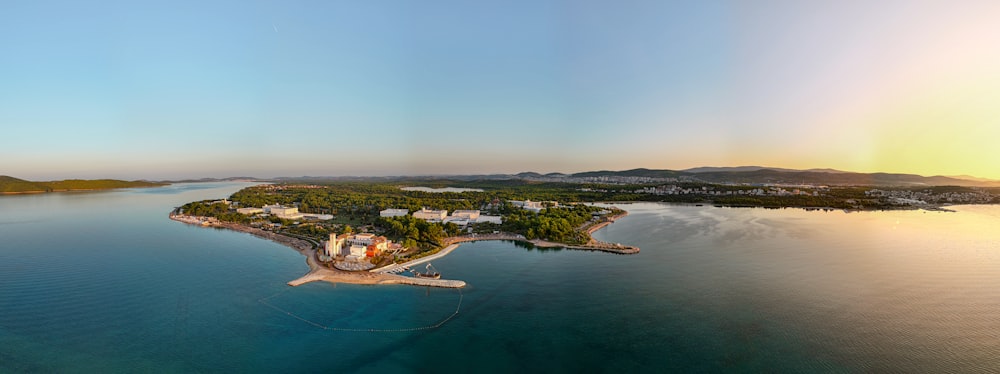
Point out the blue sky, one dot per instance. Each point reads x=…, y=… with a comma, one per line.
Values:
x=176, y=89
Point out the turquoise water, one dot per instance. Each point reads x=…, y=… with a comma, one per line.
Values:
x=104, y=282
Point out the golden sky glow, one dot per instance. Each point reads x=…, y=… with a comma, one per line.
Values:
x=361, y=88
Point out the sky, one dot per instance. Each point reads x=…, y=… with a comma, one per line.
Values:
x=191, y=89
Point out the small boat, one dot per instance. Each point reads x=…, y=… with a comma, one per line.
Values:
x=431, y=273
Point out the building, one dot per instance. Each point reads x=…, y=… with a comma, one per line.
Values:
x=534, y=206
x=282, y=211
x=465, y=217
x=336, y=244
x=358, y=250
x=361, y=239
x=375, y=249
x=470, y=215
x=319, y=217
x=431, y=215
x=490, y=219
x=461, y=221
x=393, y=213
x=359, y=245
x=250, y=211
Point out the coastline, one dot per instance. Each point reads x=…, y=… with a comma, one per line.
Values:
x=317, y=272
x=34, y=192
x=455, y=241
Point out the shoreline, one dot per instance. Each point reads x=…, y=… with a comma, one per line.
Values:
x=35, y=192
x=455, y=241
x=317, y=272
x=927, y=207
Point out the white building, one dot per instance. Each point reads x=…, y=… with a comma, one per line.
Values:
x=465, y=217
x=282, y=211
x=461, y=221
x=430, y=215
x=250, y=211
x=470, y=215
x=534, y=206
x=393, y=213
x=361, y=239
x=490, y=219
x=321, y=217
x=358, y=250
x=335, y=244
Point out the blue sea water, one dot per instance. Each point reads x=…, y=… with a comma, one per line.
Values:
x=104, y=282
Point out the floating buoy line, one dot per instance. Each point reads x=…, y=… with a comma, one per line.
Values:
x=331, y=328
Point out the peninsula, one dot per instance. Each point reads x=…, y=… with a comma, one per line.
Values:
x=364, y=233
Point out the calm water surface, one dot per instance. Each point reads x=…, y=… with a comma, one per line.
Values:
x=104, y=282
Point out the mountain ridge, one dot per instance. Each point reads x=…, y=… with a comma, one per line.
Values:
x=772, y=175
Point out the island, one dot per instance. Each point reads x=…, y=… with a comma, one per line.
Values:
x=10, y=185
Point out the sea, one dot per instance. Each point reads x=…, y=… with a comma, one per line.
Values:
x=104, y=282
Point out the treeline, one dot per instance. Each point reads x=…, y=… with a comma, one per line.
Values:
x=220, y=211
x=412, y=232
x=556, y=224
x=356, y=200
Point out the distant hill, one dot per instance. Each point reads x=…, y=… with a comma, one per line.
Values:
x=764, y=175
x=15, y=185
x=971, y=178
x=206, y=180
x=11, y=185
x=647, y=173
x=711, y=169
x=837, y=178
x=726, y=169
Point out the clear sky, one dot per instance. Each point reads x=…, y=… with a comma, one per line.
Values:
x=177, y=89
